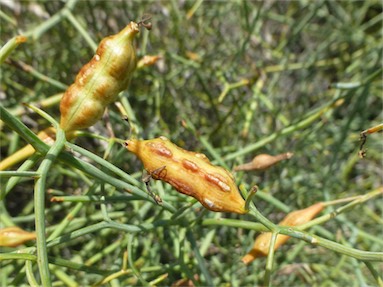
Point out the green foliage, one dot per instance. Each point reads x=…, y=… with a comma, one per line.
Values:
x=236, y=78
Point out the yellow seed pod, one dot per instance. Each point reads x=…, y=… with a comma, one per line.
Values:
x=190, y=173
x=14, y=236
x=262, y=242
x=100, y=81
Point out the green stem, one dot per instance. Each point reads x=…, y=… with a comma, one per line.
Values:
x=253, y=211
x=38, y=31
x=342, y=209
x=375, y=274
x=270, y=260
x=307, y=120
x=12, y=44
x=81, y=29
x=199, y=258
x=5, y=218
x=16, y=125
x=12, y=182
x=110, y=224
x=52, y=260
x=93, y=198
x=29, y=272
x=316, y=240
x=39, y=200
x=17, y=256
x=18, y=173
x=38, y=75
x=8, y=19
x=103, y=162
x=213, y=151
x=238, y=223
x=100, y=255
x=59, y=229
x=131, y=262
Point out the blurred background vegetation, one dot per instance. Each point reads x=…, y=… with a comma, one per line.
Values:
x=235, y=79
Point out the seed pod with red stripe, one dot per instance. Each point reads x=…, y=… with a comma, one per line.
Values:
x=190, y=173
x=100, y=81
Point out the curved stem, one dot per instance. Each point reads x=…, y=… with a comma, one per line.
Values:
x=306, y=121
x=316, y=240
x=39, y=198
x=270, y=259
x=358, y=200
x=29, y=272
x=36, y=32
x=10, y=46
x=375, y=274
x=253, y=211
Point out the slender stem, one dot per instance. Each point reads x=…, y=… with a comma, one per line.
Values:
x=103, y=162
x=250, y=196
x=199, y=258
x=29, y=163
x=100, y=255
x=5, y=218
x=307, y=120
x=38, y=75
x=80, y=29
x=10, y=46
x=238, y=223
x=69, y=217
x=253, y=211
x=42, y=103
x=131, y=262
x=16, y=125
x=375, y=274
x=77, y=233
x=270, y=259
x=17, y=256
x=94, y=198
x=18, y=173
x=316, y=240
x=36, y=32
x=29, y=272
x=39, y=199
x=7, y=18
x=110, y=224
x=212, y=151
x=358, y=200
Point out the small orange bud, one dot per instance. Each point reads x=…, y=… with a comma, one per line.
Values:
x=184, y=282
x=193, y=56
x=14, y=236
x=147, y=61
x=190, y=173
x=263, y=161
x=262, y=242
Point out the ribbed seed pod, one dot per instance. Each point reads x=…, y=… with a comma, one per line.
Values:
x=190, y=173
x=262, y=242
x=14, y=236
x=100, y=81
